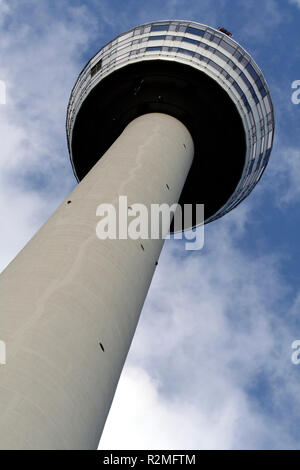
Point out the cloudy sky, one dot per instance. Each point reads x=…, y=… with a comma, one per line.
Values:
x=210, y=365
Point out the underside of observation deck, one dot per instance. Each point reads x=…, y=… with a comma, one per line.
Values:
x=181, y=91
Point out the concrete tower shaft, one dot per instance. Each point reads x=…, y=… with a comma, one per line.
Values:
x=70, y=302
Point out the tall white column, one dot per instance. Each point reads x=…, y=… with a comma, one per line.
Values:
x=68, y=295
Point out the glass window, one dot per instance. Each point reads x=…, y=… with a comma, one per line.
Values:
x=248, y=107
x=182, y=29
x=228, y=47
x=156, y=38
x=220, y=54
x=159, y=27
x=259, y=110
x=262, y=143
x=245, y=79
x=96, y=68
x=251, y=89
x=254, y=95
x=259, y=175
x=250, y=167
x=196, y=31
x=246, y=181
x=207, y=35
x=242, y=95
x=251, y=119
x=261, y=87
x=259, y=161
x=185, y=51
x=191, y=41
x=252, y=71
x=216, y=39
x=261, y=122
x=209, y=30
x=231, y=64
x=270, y=136
x=267, y=104
x=203, y=58
x=257, y=80
x=238, y=88
x=238, y=55
x=215, y=66
x=154, y=48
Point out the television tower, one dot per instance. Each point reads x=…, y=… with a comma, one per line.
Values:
x=168, y=111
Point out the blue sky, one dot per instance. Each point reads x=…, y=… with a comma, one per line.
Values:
x=210, y=365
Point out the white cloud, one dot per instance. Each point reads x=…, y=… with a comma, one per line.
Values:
x=259, y=22
x=283, y=176
x=295, y=2
x=289, y=169
x=206, y=11
x=142, y=417
x=210, y=332
x=40, y=60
